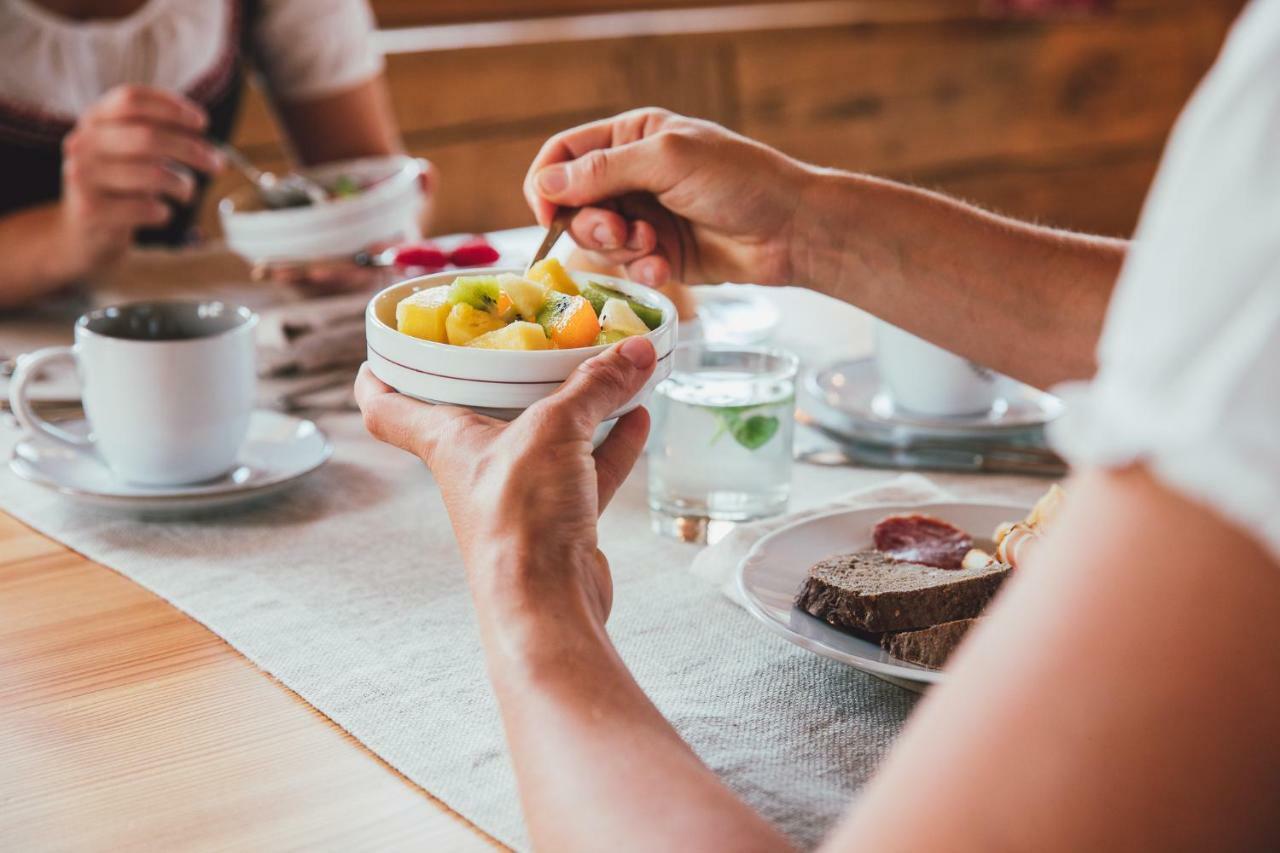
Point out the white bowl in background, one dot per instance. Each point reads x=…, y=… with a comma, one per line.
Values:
x=500, y=383
x=388, y=211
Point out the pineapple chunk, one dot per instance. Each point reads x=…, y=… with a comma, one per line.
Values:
x=423, y=314
x=618, y=316
x=554, y=276
x=527, y=296
x=465, y=323
x=519, y=335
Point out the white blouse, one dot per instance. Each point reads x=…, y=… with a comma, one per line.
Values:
x=1189, y=378
x=303, y=49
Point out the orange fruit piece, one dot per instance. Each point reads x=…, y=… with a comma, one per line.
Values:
x=505, y=309
x=569, y=321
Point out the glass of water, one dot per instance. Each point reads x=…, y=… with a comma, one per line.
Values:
x=722, y=438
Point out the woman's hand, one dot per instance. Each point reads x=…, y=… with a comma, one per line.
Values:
x=524, y=497
x=129, y=153
x=669, y=196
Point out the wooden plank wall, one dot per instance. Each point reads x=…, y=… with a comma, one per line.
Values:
x=1059, y=120
x=406, y=13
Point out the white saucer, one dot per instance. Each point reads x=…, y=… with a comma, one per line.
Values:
x=850, y=399
x=279, y=450
x=771, y=574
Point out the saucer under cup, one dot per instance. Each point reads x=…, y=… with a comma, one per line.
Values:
x=278, y=451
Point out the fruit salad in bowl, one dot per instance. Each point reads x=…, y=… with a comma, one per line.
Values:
x=499, y=340
x=542, y=309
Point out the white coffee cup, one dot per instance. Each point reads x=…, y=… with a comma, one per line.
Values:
x=929, y=380
x=167, y=387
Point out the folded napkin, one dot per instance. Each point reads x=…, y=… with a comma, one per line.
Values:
x=719, y=562
x=312, y=335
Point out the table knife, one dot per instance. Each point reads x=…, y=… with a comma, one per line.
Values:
x=976, y=460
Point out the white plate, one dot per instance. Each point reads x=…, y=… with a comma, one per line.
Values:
x=851, y=400
x=773, y=570
x=279, y=450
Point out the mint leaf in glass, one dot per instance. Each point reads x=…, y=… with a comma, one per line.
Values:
x=755, y=432
x=751, y=432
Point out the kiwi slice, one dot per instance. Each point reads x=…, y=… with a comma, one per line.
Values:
x=597, y=294
x=479, y=291
x=610, y=337
x=553, y=310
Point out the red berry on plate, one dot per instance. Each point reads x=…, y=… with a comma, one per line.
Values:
x=425, y=255
x=474, y=253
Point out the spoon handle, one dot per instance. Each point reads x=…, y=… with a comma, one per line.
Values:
x=559, y=225
x=241, y=162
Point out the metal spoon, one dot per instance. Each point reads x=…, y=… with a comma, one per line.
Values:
x=559, y=225
x=276, y=191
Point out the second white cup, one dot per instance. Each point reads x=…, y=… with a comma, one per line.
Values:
x=929, y=380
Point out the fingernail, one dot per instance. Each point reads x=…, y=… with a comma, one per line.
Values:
x=638, y=351
x=634, y=242
x=603, y=237
x=553, y=180
x=645, y=274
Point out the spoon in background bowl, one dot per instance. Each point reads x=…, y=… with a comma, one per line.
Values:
x=276, y=191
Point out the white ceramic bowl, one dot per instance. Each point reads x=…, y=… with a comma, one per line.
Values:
x=388, y=211
x=495, y=382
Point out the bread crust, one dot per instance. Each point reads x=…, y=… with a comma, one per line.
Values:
x=928, y=646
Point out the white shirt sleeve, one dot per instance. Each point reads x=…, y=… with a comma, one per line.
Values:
x=1189, y=361
x=311, y=48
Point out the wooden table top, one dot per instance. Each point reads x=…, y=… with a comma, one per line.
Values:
x=124, y=724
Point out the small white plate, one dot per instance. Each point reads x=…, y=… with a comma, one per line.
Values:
x=279, y=450
x=851, y=400
x=773, y=570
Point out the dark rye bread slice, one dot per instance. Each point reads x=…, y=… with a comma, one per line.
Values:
x=869, y=591
x=927, y=646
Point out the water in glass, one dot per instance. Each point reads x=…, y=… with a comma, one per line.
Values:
x=722, y=436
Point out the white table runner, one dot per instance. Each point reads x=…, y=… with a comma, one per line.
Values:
x=349, y=590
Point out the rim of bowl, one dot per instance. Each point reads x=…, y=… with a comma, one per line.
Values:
x=668, y=307
x=406, y=173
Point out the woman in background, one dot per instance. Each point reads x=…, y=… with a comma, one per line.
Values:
x=110, y=111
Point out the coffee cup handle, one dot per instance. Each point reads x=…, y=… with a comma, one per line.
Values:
x=26, y=369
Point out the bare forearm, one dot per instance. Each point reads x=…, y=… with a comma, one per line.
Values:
x=38, y=259
x=355, y=123
x=594, y=758
x=1025, y=300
